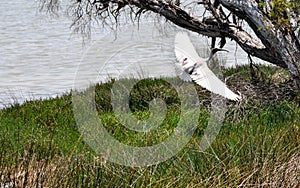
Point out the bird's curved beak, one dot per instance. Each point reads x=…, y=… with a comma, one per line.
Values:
x=214, y=50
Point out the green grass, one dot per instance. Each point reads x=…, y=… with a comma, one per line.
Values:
x=257, y=146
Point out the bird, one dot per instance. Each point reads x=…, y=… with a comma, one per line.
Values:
x=191, y=67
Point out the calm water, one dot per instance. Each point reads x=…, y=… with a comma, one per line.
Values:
x=40, y=57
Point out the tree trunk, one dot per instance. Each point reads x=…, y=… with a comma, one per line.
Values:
x=281, y=45
x=290, y=51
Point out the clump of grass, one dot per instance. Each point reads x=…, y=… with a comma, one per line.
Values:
x=258, y=145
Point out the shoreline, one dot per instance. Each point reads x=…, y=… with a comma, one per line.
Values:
x=17, y=96
x=258, y=142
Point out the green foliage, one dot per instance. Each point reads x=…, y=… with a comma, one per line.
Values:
x=256, y=145
x=284, y=14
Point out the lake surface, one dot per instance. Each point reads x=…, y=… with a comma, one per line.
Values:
x=41, y=57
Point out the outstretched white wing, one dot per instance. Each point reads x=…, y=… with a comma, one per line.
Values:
x=196, y=67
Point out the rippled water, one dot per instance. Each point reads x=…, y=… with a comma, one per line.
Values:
x=41, y=58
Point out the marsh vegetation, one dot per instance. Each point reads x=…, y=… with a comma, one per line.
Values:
x=257, y=146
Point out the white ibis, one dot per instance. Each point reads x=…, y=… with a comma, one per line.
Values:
x=193, y=67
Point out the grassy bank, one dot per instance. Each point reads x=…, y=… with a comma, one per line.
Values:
x=257, y=146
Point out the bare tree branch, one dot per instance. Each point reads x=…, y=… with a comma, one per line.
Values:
x=274, y=24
